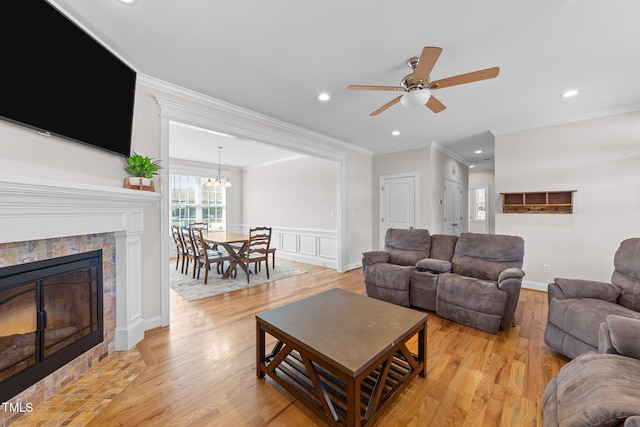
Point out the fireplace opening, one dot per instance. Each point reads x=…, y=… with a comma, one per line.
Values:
x=51, y=312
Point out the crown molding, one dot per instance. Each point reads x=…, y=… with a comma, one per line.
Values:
x=247, y=124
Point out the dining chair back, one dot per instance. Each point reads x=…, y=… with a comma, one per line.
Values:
x=208, y=257
x=181, y=250
x=257, y=249
x=192, y=249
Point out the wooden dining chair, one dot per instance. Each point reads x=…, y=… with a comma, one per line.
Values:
x=257, y=249
x=208, y=257
x=180, y=247
x=194, y=226
x=192, y=250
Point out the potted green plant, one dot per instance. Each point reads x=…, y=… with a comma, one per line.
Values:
x=142, y=169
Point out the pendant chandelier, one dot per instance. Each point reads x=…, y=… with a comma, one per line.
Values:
x=218, y=181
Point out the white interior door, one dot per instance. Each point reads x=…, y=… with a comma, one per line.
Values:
x=452, y=207
x=478, y=210
x=397, y=203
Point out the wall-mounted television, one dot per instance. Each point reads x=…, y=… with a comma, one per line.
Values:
x=57, y=79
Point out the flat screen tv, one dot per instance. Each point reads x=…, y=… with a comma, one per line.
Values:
x=57, y=79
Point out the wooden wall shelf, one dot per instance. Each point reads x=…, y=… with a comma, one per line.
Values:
x=548, y=202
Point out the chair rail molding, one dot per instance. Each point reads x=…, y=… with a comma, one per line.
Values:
x=34, y=209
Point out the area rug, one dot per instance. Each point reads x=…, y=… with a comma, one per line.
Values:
x=195, y=289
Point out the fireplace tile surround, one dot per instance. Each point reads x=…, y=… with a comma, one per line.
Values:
x=23, y=252
x=43, y=219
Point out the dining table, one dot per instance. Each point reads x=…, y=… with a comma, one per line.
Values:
x=234, y=243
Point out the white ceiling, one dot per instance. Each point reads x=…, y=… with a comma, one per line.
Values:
x=274, y=57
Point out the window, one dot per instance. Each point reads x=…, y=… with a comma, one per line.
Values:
x=193, y=201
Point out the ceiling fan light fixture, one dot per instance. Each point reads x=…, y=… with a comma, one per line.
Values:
x=415, y=98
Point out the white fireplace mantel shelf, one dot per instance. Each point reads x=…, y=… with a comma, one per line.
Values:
x=35, y=209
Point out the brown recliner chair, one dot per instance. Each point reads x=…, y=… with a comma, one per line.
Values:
x=599, y=389
x=577, y=307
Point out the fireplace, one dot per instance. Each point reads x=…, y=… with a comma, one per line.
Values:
x=45, y=219
x=51, y=312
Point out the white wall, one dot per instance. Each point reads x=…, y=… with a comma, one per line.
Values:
x=444, y=166
x=486, y=179
x=357, y=208
x=600, y=159
x=299, y=193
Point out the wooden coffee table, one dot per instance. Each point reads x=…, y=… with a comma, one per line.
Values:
x=343, y=355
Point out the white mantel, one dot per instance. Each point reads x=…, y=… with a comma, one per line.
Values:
x=34, y=209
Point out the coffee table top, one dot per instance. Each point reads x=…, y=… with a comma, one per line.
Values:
x=350, y=331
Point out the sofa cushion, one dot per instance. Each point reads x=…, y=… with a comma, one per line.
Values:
x=457, y=290
x=406, y=247
x=593, y=390
x=389, y=282
x=473, y=302
x=443, y=246
x=484, y=256
x=583, y=316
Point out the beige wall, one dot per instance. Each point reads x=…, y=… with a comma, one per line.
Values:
x=600, y=159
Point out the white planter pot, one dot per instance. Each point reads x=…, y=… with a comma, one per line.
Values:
x=135, y=181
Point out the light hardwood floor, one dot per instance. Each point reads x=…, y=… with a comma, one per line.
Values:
x=201, y=370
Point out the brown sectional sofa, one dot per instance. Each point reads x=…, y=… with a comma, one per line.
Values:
x=473, y=279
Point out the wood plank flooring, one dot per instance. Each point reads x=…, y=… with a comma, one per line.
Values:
x=201, y=370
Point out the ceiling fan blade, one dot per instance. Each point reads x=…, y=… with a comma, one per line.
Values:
x=427, y=60
x=474, y=76
x=361, y=87
x=435, y=105
x=389, y=104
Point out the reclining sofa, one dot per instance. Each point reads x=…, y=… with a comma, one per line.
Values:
x=473, y=279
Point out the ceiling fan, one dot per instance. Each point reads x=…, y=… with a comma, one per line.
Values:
x=418, y=85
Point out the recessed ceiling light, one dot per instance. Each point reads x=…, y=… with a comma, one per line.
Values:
x=324, y=96
x=128, y=2
x=569, y=93
x=395, y=133
x=471, y=166
x=478, y=151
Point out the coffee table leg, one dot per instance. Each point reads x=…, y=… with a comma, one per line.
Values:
x=422, y=350
x=260, y=356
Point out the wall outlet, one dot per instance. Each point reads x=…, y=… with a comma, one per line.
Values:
x=546, y=268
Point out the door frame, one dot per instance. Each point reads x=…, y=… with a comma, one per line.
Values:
x=416, y=201
x=461, y=202
x=487, y=206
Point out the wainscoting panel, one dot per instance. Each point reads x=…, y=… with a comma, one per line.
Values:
x=316, y=247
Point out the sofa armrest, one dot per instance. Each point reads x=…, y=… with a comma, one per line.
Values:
x=374, y=257
x=434, y=265
x=563, y=288
x=620, y=335
x=510, y=273
x=510, y=281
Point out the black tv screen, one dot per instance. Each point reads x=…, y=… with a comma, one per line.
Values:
x=57, y=79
